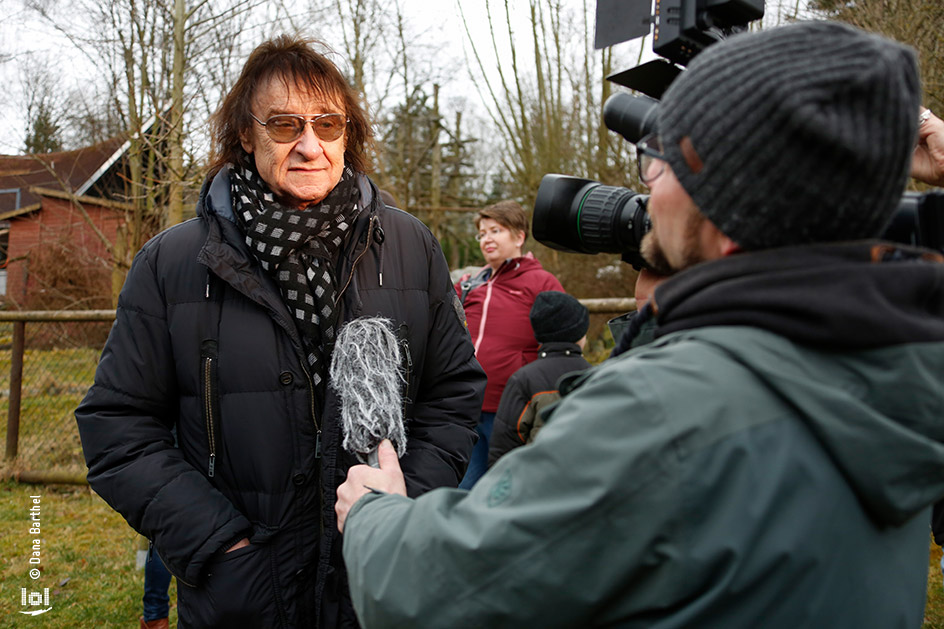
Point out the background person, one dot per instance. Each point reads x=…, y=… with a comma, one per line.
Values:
x=636, y=327
x=928, y=160
x=156, y=599
x=927, y=166
x=497, y=301
x=560, y=323
x=225, y=329
x=770, y=459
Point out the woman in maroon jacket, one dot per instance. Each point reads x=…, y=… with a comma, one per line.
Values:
x=497, y=301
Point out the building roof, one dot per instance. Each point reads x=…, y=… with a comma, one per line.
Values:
x=75, y=171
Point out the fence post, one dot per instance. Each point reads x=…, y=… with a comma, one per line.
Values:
x=16, y=388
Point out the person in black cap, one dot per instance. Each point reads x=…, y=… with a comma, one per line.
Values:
x=560, y=324
x=770, y=458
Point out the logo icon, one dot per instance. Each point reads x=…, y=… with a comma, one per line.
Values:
x=501, y=491
x=35, y=599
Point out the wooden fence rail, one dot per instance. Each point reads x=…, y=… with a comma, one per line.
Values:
x=19, y=320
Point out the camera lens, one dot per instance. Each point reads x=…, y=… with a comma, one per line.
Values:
x=612, y=219
x=584, y=216
x=633, y=117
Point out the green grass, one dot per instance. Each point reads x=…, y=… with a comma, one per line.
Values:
x=88, y=550
x=934, y=609
x=87, y=559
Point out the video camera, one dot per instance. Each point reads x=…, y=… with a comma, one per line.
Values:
x=584, y=216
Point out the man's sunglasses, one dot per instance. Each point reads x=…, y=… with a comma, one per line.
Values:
x=285, y=128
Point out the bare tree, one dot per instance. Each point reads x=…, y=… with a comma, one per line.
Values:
x=153, y=57
x=913, y=22
x=547, y=107
x=44, y=107
x=397, y=71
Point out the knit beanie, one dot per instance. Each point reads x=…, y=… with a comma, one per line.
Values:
x=794, y=135
x=556, y=316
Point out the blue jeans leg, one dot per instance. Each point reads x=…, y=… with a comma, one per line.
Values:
x=478, y=464
x=156, y=581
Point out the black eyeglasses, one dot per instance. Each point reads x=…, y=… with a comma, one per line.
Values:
x=650, y=158
x=285, y=128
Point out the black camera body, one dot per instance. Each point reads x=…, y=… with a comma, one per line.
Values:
x=584, y=216
x=919, y=220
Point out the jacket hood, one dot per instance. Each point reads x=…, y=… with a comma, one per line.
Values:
x=844, y=296
x=865, y=367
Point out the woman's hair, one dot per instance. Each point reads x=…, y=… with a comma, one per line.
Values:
x=294, y=61
x=508, y=214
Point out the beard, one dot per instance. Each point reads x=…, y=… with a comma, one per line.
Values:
x=652, y=253
x=691, y=253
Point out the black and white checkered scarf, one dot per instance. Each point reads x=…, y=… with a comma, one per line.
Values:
x=299, y=249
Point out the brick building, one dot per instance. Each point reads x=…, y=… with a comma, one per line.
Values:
x=57, y=211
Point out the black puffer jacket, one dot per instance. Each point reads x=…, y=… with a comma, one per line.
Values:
x=530, y=391
x=204, y=343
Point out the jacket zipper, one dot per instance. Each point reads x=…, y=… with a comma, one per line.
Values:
x=209, y=410
x=481, y=334
x=314, y=419
x=208, y=370
x=485, y=304
x=370, y=231
x=311, y=384
x=311, y=402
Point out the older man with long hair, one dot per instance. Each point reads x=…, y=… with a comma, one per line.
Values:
x=225, y=332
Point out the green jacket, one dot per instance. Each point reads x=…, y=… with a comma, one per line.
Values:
x=721, y=476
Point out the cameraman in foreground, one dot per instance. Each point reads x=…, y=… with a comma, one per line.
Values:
x=770, y=459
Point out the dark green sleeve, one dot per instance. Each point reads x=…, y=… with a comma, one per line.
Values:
x=523, y=547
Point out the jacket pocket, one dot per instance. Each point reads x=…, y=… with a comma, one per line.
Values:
x=237, y=592
x=210, y=399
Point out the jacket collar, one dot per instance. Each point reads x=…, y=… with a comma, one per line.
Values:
x=559, y=348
